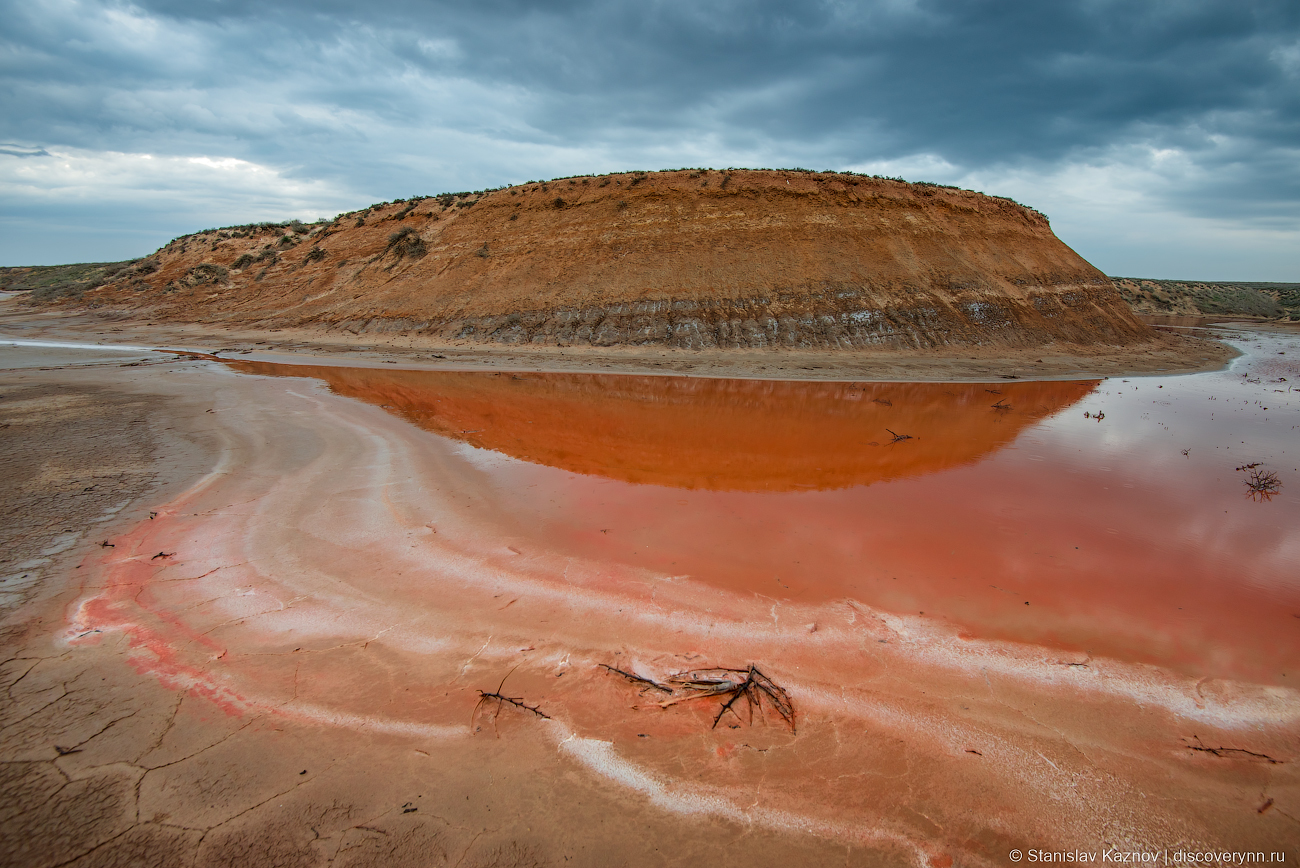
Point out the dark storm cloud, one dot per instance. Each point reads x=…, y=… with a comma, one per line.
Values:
x=973, y=81
x=405, y=96
x=21, y=151
x=983, y=80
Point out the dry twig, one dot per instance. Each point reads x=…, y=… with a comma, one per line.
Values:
x=637, y=679
x=502, y=699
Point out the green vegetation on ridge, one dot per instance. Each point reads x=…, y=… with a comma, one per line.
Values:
x=49, y=282
x=1210, y=298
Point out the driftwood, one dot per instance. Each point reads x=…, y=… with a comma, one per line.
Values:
x=899, y=438
x=728, y=685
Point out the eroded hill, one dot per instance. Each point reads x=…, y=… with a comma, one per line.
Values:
x=692, y=259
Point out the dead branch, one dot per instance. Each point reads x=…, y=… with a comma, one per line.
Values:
x=1000, y=405
x=1231, y=752
x=638, y=679
x=899, y=438
x=726, y=684
x=1262, y=484
x=516, y=701
x=501, y=699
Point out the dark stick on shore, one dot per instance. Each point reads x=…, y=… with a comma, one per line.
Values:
x=502, y=699
x=724, y=684
x=637, y=679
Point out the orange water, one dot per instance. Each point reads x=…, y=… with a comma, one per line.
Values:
x=1010, y=510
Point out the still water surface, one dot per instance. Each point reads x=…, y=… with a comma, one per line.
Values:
x=1107, y=517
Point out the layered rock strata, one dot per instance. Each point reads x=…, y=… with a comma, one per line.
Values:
x=690, y=259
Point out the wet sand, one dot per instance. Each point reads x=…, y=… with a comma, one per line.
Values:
x=279, y=658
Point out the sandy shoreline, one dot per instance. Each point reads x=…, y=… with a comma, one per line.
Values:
x=1170, y=354
x=116, y=753
x=277, y=660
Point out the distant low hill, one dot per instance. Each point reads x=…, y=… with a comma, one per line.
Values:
x=48, y=282
x=1197, y=298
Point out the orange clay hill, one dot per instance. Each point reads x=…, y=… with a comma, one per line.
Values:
x=691, y=258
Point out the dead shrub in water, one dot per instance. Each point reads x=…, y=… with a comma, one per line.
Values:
x=1262, y=484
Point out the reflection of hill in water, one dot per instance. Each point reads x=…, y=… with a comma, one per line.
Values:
x=722, y=435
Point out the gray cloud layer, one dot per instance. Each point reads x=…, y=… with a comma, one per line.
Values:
x=1190, y=110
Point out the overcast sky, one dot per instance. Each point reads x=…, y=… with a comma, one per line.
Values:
x=1162, y=137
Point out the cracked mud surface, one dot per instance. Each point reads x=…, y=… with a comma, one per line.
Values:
x=102, y=763
x=53, y=476
x=282, y=667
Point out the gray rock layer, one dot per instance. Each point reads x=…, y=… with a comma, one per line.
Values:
x=843, y=319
